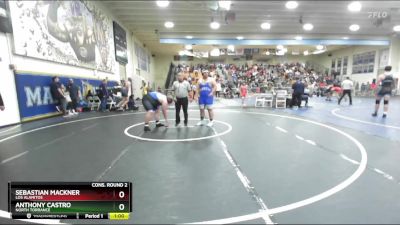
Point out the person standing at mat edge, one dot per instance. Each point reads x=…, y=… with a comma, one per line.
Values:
x=347, y=86
x=75, y=95
x=386, y=85
x=206, y=89
x=182, y=91
x=103, y=94
x=151, y=103
x=58, y=95
x=243, y=92
x=2, y=107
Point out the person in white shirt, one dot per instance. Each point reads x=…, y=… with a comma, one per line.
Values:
x=347, y=86
x=219, y=89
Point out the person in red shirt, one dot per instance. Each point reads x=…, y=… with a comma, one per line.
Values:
x=373, y=87
x=243, y=92
x=321, y=87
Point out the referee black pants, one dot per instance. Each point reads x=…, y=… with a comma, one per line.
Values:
x=181, y=103
x=346, y=92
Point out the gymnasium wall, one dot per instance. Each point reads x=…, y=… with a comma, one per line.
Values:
x=326, y=60
x=32, y=49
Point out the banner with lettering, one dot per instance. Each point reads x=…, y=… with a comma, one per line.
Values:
x=34, y=96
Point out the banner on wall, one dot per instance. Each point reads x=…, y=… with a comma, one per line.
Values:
x=231, y=51
x=34, y=96
x=183, y=58
x=239, y=51
x=384, y=58
x=121, y=52
x=143, y=57
x=5, y=23
x=248, y=51
x=69, y=32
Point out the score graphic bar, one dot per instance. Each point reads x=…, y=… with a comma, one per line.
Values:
x=70, y=200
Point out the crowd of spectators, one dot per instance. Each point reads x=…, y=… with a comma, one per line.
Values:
x=263, y=77
x=258, y=77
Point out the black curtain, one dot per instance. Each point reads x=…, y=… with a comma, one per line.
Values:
x=170, y=76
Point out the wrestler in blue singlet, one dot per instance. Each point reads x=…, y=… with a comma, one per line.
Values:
x=205, y=100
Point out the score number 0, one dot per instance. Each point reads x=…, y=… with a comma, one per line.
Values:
x=121, y=206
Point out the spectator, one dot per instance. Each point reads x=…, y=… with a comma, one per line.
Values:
x=125, y=93
x=367, y=89
x=75, y=95
x=306, y=95
x=2, y=107
x=194, y=87
x=58, y=95
x=144, y=88
x=363, y=89
x=131, y=102
x=68, y=99
x=243, y=92
x=103, y=95
x=219, y=88
x=373, y=87
x=89, y=94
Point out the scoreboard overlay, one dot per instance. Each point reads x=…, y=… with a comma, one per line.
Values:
x=70, y=200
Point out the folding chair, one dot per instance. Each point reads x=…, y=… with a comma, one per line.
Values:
x=280, y=101
x=264, y=100
x=269, y=99
x=90, y=102
x=97, y=102
x=111, y=102
x=259, y=101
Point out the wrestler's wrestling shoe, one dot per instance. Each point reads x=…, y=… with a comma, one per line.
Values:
x=160, y=125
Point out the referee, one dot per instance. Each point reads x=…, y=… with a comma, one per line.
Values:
x=347, y=86
x=182, y=91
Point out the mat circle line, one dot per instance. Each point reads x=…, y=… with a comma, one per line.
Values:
x=344, y=184
x=126, y=131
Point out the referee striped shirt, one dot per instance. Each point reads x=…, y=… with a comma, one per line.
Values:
x=181, y=89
